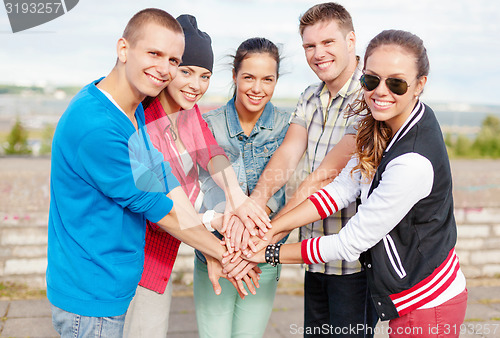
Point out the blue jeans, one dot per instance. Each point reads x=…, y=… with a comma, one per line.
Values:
x=337, y=306
x=69, y=324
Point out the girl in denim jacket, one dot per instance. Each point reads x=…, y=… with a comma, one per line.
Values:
x=249, y=128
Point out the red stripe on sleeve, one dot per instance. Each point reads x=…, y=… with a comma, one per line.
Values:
x=317, y=250
x=318, y=206
x=303, y=251
x=325, y=202
x=331, y=200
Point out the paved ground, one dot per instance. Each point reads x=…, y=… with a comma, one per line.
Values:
x=31, y=318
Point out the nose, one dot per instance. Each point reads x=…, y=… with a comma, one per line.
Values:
x=256, y=87
x=194, y=83
x=166, y=69
x=319, y=53
x=382, y=88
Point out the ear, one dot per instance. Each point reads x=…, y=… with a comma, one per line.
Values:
x=234, y=77
x=419, y=88
x=122, y=49
x=351, y=40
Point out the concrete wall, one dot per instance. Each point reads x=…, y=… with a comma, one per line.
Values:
x=24, y=202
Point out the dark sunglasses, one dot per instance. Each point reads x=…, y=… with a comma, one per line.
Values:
x=395, y=85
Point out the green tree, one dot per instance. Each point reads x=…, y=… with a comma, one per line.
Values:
x=487, y=143
x=463, y=146
x=17, y=140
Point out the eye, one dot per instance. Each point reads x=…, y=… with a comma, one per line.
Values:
x=184, y=72
x=205, y=77
x=174, y=62
x=153, y=53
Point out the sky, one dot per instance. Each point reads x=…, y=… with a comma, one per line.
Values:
x=462, y=38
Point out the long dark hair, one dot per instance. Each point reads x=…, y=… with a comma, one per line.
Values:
x=373, y=136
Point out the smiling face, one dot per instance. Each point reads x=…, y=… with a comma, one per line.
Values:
x=255, y=83
x=152, y=61
x=330, y=53
x=187, y=88
x=392, y=61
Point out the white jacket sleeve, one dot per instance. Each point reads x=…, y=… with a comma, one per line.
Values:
x=338, y=194
x=406, y=180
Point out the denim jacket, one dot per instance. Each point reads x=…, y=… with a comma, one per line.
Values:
x=248, y=154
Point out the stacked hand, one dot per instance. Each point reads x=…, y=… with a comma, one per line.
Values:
x=244, y=230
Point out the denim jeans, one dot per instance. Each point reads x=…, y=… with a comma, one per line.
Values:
x=338, y=306
x=69, y=324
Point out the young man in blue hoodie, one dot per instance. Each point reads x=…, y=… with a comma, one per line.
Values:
x=107, y=179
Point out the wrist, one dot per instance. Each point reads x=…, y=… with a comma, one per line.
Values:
x=208, y=217
x=272, y=254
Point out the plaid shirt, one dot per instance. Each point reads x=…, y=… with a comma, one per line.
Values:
x=326, y=125
x=161, y=248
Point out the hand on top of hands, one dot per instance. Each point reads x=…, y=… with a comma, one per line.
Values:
x=251, y=215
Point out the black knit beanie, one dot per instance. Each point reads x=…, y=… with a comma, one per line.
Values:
x=198, y=49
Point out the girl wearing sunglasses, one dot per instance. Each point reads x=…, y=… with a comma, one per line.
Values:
x=404, y=232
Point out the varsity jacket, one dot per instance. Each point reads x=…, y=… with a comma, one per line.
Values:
x=406, y=239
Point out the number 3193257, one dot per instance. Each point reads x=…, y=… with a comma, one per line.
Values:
x=27, y=7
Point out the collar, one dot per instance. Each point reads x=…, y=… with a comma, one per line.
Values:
x=158, y=115
x=411, y=120
x=265, y=121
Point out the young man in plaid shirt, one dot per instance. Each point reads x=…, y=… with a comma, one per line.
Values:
x=336, y=293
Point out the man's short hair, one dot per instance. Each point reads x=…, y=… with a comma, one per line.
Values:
x=326, y=12
x=133, y=30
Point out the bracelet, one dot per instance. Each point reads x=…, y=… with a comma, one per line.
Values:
x=277, y=254
x=272, y=254
x=208, y=216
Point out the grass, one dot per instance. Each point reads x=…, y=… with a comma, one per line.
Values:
x=14, y=291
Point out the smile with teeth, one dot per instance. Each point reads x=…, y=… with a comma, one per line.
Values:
x=324, y=65
x=189, y=95
x=156, y=80
x=382, y=103
x=255, y=98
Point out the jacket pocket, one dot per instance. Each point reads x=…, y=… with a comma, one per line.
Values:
x=267, y=149
x=393, y=255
